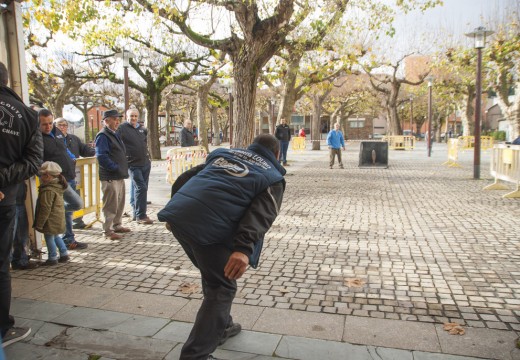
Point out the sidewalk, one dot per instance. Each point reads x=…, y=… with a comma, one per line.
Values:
x=360, y=264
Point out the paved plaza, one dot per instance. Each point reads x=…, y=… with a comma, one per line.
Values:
x=360, y=264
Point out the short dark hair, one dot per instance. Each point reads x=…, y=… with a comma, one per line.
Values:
x=4, y=74
x=44, y=113
x=268, y=141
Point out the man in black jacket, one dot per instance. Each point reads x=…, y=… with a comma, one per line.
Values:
x=55, y=149
x=22, y=153
x=283, y=134
x=187, y=138
x=134, y=136
x=77, y=148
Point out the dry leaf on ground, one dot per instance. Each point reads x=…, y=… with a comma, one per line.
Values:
x=188, y=288
x=284, y=290
x=354, y=282
x=454, y=329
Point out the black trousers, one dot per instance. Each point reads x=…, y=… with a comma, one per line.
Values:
x=7, y=222
x=214, y=314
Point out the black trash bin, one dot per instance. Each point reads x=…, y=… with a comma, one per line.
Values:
x=373, y=154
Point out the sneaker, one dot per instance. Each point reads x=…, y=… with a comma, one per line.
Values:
x=121, y=229
x=64, y=259
x=30, y=265
x=76, y=245
x=15, y=334
x=145, y=221
x=211, y=357
x=113, y=236
x=49, y=263
x=285, y=164
x=230, y=331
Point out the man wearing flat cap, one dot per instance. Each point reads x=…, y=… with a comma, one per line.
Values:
x=113, y=170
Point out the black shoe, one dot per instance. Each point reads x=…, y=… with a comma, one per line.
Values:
x=148, y=202
x=30, y=265
x=49, y=263
x=76, y=245
x=230, y=331
x=80, y=225
x=15, y=334
x=64, y=259
x=211, y=357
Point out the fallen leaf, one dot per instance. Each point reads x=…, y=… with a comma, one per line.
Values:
x=354, y=282
x=284, y=291
x=188, y=288
x=454, y=329
x=177, y=267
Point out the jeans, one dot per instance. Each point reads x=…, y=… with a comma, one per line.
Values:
x=7, y=222
x=73, y=202
x=139, y=176
x=53, y=242
x=284, y=145
x=213, y=316
x=21, y=236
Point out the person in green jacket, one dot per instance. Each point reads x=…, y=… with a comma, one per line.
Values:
x=49, y=216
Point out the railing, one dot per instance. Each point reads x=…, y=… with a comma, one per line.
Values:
x=505, y=166
x=89, y=188
x=468, y=142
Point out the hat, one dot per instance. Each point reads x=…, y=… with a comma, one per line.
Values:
x=111, y=113
x=51, y=168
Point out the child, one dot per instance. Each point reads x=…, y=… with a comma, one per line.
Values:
x=49, y=218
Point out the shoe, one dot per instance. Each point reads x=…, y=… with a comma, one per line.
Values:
x=80, y=225
x=113, y=236
x=30, y=265
x=148, y=203
x=230, y=331
x=15, y=334
x=145, y=221
x=49, y=263
x=76, y=245
x=285, y=164
x=125, y=214
x=330, y=167
x=121, y=229
x=211, y=357
x=64, y=259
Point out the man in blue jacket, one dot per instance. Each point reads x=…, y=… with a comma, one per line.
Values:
x=335, y=143
x=220, y=212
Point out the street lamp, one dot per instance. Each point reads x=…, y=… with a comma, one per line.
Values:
x=126, y=56
x=430, y=85
x=479, y=35
x=411, y=115
x=230, y=90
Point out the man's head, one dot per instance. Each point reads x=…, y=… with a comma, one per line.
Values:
x=268, y=141
x=112, y=119
x=132, y=116
x=4, y=74
x=62, y=124
x=46, y=119
x=187, y=124
x=283, y=121
x=336, y=126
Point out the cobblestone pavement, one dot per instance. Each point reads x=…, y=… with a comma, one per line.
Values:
x=417, y=241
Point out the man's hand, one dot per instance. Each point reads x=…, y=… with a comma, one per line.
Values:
x=1, y=196
x=236, y=265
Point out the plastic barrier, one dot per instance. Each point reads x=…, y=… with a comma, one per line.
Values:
x=468, y=142
x=182, y=159
x=298, y=143
x=89, y=188
x=505, y=166
x=400, y=142
x=453, y=153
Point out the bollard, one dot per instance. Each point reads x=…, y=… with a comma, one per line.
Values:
x=373, y=154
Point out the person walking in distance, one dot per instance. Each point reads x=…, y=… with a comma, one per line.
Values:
x=22, y=153
x=335, y=142
x=113, y=170
x=220, y=212
x=283, y=134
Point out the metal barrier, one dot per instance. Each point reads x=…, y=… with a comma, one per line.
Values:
x=298, y=143
x=453, y=153
x=468, y=142
x=505, y=166
x=400, y=142
x=89, y=188
x=182, y=159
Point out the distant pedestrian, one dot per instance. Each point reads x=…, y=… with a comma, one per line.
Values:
x=302, y=132
x=283, y=134
x=335, y=142
x=113, y=170
x=187, y=137
x=516, y=141
x=49, y=217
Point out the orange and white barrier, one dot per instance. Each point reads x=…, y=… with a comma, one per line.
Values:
x=181, y=159
x=505, y=166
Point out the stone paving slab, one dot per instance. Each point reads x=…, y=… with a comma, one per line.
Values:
x=146, y=304
x=34, y=352
x=138, y=325
x=92, y=318
x=253, y=342
x=38, y=310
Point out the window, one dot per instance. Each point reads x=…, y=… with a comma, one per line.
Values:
x=356, y=123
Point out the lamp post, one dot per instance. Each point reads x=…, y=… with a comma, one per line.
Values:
x=430, y=85
x=479, y=36
x=411, y=115
x=231, y=116
x=126, y=56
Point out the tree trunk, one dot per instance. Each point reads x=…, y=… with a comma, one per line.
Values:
x=152, y=104
x=316, y=122
x=202, y=103
x=289, y=95
x=511, y=111
x=244, y=93
x=467, y=114
x=272, y=118
x=86, y=123
x=214, y=121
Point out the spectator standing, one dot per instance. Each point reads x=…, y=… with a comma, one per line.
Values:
x=113, y=170
x=283, y=134
x=187, y=138
x=302, y=132
x=134, y=137
x=49, y=217
x=19, y=258
x=22, y=152
x=220, y=217
x=55, y=150
x=77, y=148
x=335, y=142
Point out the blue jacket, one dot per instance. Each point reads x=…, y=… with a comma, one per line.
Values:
x=335, y=139
x=214, y=205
